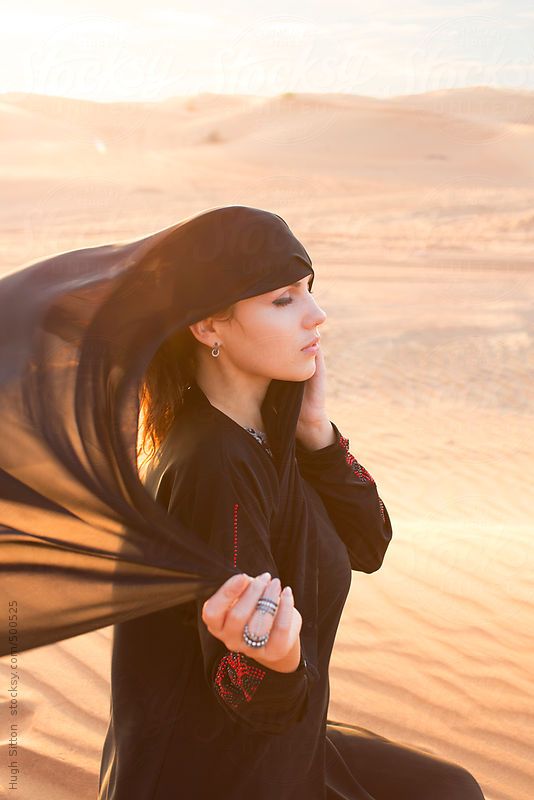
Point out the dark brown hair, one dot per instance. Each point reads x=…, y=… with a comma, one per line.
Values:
x=166, y=379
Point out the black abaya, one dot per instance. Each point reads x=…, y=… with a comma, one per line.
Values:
x=84, y=545
x=190, y=719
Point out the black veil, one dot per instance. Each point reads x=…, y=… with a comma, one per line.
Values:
x=83, y=544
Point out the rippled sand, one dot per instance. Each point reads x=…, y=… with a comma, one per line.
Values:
x=418, y=215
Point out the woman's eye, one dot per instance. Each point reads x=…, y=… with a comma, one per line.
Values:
x=284, y=301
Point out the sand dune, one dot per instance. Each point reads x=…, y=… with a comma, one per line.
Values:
x=478, y=102
x=418, y=214
x=322, y=133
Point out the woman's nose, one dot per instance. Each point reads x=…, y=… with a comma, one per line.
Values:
x=320, y=316
x=317, y=314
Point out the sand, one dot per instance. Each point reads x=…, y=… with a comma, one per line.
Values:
x=418, y=213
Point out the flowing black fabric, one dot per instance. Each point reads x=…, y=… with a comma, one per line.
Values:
x=83, y=544
x=86, y=543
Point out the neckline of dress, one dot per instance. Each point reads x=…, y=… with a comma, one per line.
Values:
x=261, y=439
x=229, y=420
x=255, y=430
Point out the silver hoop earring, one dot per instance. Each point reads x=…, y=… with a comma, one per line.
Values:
x=215, y=350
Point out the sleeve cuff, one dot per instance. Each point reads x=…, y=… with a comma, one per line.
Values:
x=302, y=667
x=332, y=454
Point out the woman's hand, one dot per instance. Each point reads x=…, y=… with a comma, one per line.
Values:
x=314, y=429
x=312, y=410
x=233, y=605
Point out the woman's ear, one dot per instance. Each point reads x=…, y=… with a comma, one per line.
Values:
x=203, y=330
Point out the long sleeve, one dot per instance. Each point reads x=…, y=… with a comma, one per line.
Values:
x=351, y=499
x=221, y=498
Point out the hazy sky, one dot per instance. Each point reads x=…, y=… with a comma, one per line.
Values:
x=126, y=50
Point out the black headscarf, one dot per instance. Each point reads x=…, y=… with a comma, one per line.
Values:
x=83, y=544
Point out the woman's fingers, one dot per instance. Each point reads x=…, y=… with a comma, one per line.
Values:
x=232, y=595
x=216, y=607
x=284, y=614
x=234, y=605
x=246, y=612
x=285, y=628
x=245, y=606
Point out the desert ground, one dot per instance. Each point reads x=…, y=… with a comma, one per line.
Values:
x=418, y=213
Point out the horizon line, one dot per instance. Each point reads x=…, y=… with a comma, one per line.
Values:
x=502, y=89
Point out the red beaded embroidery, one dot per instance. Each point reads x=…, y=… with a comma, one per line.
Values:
x=237, y=679
x=236, y=506
x=358, y=469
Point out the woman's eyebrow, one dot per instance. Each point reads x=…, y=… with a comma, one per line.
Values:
x=298, y=282
x=283, y=288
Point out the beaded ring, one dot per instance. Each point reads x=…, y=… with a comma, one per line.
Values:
x=266, y=606
x=260, y=641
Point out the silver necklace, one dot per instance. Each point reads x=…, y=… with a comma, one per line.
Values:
x=260, y=437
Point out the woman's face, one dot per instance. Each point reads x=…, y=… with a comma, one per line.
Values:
x=268, y=331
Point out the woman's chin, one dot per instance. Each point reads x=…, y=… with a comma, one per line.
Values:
x=300, y=372
x=307, y=371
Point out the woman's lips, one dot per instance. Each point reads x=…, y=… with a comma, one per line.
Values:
x=312, y=349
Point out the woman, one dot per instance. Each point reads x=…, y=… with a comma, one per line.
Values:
x=228, y=698
x=203, y=704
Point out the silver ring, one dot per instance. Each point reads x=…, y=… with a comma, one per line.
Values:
x=267, y=606
x=254, y=641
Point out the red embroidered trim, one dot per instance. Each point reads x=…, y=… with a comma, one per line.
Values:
x=358, y=469
x=237, y=679
x=236, y=506
x=382, y=509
